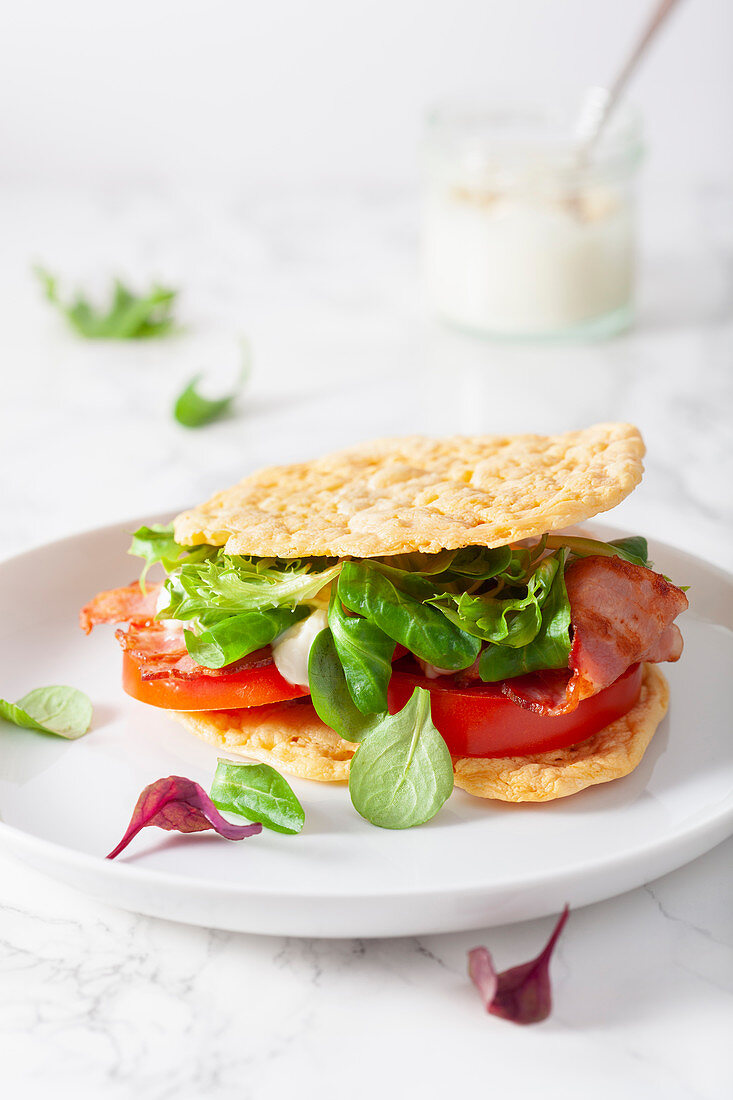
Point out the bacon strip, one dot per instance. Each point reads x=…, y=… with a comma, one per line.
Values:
x=620, y=614
x=121, y=605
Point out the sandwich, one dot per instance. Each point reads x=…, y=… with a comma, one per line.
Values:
x=410, y=615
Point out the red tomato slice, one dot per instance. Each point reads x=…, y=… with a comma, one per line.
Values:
x=480, y=721
x=251, y=687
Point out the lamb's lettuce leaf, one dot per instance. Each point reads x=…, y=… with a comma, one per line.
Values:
x=365, y=653
x=63, y=711
x=330, y=693
x=402, y=772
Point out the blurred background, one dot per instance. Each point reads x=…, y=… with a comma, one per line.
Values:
x=265, y=160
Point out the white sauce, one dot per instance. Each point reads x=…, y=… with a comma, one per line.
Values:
x=291, y=650
x=525, y=264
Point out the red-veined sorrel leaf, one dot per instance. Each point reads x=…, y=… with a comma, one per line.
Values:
x=522, y=994
x=182, y=805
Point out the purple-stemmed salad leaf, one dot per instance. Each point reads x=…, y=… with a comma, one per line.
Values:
x=183, y=806
x=522, y=994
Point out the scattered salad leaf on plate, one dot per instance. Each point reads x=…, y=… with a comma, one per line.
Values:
x=193, y=410
x=521, y=994
x=402, y=772
x=63, y=711
x=182, y=806
x=130, y=316
x=258, y=792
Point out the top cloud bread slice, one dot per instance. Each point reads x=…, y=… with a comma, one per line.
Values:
x=395, y=496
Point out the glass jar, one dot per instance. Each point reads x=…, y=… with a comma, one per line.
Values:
x=523, y=236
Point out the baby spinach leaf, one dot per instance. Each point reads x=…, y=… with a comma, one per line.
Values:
x=402, y=772
x=550, y=648
x=64, y=711
x=259, y=793
x=192, y=410
x=129, y=317
x=330, y=693
x=365, y=653
x=424, y=630
x=234, y=637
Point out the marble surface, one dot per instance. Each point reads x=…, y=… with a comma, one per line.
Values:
x=99, y=1003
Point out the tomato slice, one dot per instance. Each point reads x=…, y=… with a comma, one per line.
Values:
x=480, y=721
x=250, y=687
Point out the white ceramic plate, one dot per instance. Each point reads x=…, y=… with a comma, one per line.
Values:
x=65, y=804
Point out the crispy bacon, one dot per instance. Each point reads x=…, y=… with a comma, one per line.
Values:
x=120, y=605
x=620, y=614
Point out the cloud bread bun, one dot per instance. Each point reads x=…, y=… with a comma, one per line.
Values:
x=291, y=737
x=396, y=496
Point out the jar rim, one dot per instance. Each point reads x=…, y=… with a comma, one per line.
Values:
x=508, y=131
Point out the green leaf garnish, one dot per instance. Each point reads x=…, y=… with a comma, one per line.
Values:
x=233, y=584
x=129, y=317
x=550, y=647
x=633, y=549
x=330, y=693
x=369, y=590
x=156, y=544
x=402, y=772
x=63, y=711
x=234, y=637
x=192, y=410
x=259, y=793
x=365, y=653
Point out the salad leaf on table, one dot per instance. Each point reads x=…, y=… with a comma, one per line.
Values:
x=258, y=792
x=522, y=994
x=180, y=805
x=63, y=711
x=193, y=410
x=129, y=317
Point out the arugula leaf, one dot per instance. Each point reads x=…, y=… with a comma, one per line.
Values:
x=129, y=316
x=402, y=772
x=330, y=693
x=233, y=584
x=193, y=411
x=550, y=648
x=509, y=622
x=259, y=793
x=365, y=653
x=633, y=549
x=63, y=711
x=367, y=589
x=237, y=635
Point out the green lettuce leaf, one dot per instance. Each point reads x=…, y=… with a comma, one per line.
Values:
x=550, y=647
x=633, y=549
x=330, y=693
x=365, y=588
x=232, y=638
x=259, y=793
x=63, y=711
x=192, y=410
x=365, y=653
x=233, y=584
x=402, y=772
x=129, y=317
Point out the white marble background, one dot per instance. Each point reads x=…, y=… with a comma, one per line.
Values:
x=100, y=1003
